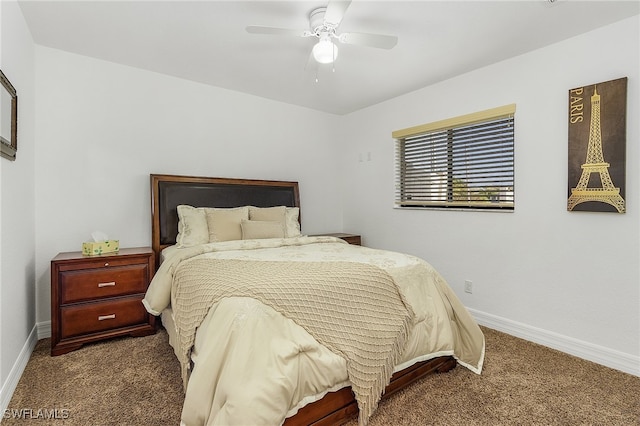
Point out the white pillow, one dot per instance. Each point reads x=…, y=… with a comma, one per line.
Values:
x=192, y=226
x=292, y=222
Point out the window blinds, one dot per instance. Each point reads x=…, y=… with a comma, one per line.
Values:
x=465, y=162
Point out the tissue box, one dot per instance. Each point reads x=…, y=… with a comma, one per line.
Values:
x=95, y=248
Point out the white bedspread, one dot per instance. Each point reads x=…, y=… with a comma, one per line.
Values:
x=251, y=365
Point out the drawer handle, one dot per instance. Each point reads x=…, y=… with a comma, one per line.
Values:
x=106, y=317
x=109, y=284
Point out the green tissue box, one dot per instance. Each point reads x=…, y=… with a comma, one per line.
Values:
x=95, y=248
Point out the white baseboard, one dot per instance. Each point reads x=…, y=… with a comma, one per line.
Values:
x=595, y=353
x=44, y=330
x=9, y=386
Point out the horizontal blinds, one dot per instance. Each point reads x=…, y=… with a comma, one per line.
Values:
x=462, y=120
x=469, y=165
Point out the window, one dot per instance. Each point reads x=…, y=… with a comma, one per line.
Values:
x=464, y=162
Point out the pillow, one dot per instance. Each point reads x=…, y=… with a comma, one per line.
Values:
x=271, y=214
x=292, y=222
x=255, y=229
x=288, y=216
x=192, y=226
x=224, y=224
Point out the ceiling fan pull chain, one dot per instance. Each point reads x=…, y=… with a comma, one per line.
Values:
x=333, y=53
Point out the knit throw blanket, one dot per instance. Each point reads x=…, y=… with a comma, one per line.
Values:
x=354, y=309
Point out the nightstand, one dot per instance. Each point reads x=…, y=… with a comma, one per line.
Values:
x=99, y=297
x=350, y=238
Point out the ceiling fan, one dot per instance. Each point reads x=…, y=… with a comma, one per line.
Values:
x=323, y=25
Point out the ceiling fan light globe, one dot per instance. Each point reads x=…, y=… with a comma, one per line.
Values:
x=325, y=52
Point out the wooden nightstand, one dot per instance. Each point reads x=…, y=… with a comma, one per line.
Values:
x=99, y=297
x=350, y=238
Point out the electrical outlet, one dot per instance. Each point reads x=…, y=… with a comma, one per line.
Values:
x=468, y=286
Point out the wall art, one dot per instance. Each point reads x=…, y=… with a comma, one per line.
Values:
x=8, y=119
x=597, y=147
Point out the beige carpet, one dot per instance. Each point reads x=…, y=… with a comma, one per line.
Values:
x=136, y=381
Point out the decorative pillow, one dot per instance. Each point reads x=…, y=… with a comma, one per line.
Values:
x=271, y=214
x=288, y=216
x=224, y=224
x=192, y=226
x=254, y=229
x=292, y=222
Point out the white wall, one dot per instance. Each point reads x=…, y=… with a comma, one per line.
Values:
x=96, y=130
x=102, y=128
x=17, y=246
x=571, y=274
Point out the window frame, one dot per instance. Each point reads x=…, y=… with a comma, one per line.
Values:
x=492, y=134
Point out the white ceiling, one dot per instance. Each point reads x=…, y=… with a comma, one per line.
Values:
x=206, y=41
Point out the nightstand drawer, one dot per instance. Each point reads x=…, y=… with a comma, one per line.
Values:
x=91, y=284
x=99, y=316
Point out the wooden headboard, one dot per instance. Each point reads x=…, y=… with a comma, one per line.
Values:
x=169, y=191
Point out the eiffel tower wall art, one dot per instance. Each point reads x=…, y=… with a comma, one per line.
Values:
x=597, y=147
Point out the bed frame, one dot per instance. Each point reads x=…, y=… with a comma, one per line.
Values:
x=169, y=191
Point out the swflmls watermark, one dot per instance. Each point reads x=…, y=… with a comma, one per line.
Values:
x=36, y=413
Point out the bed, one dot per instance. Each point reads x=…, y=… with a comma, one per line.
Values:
x=262, y=352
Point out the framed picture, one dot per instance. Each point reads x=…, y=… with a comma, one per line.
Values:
x=8, y=119
x=597, y=147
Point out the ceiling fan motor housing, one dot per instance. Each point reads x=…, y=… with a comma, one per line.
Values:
x=316, y=20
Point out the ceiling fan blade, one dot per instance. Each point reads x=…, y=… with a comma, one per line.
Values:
x=256, y=29
x=335, y=12
x=371, y=40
